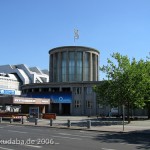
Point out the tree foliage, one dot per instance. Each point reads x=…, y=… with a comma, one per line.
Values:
x=128, y=82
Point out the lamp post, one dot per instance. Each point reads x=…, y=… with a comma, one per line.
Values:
x=123, y=116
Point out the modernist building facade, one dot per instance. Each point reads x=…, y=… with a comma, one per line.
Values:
x=25, y=74
x=67, y=87
x=9, y=84
x=12, y=77
x=73, y=73
x=71, y=98
x=73, y=64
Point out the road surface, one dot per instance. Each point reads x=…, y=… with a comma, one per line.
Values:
x=13, y=137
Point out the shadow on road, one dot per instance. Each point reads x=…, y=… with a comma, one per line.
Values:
x=141, y=139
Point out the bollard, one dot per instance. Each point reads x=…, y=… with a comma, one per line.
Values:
x=36, y=120
x=51, y=122
x=11, y=120
x=69, y=123
x=0, y=119
x=22, y=120
x=89, y=124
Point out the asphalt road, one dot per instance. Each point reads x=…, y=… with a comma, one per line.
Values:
x=14, y=137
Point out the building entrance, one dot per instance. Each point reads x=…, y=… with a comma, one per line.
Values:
x=55, y=108
x=65, y=109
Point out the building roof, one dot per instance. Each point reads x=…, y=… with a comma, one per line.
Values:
x=26, y=75
x=74, y=47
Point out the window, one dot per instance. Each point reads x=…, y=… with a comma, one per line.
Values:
x=79, y=66
x=87, y=69
x=71, y=66
x=77, y=90
x=88, y=104
x=64, y=66
x=88, y=90
x=55, y=67
x=77, y=104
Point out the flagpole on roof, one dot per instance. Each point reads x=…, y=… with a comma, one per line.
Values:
x=76, y=35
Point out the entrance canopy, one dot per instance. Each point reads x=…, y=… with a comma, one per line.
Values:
x=23, y=100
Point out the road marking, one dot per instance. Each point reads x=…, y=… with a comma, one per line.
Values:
x=6, y=148
x=82, y=131
x=36, y=146
x=77, y=135
x=1, y=127
x=67, y=137
x=107, y=149
x=130, y=144
x=57, y=143
x=19, y=126
x=37, y=129
x=87, y=132
x=16, y=131
x=10, y=125
x=64, y=133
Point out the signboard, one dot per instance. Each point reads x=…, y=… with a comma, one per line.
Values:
x=34, y=112
x=45, y=101
x=7, y=92
x=61, y=98
x=24, y=100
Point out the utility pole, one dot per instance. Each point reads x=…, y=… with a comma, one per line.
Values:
x=123, y=116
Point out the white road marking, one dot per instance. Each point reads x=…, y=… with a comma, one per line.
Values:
x=6, y=148
x=64, y=134
x=16, y=131
x=89, y=133
x=82, y=131
x=18, y=126
x=36, y=146
x=57, y=143
x=37, y=129
x=130, y=144
x=1, y=127
x=77, y=135
x=65, y=137
x=107, y=149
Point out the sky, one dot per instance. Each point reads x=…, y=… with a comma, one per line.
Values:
x=30, y=28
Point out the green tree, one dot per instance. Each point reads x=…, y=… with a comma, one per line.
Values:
x=147, y=86
x=128, y=83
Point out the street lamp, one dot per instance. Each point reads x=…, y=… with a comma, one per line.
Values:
x=123, y=116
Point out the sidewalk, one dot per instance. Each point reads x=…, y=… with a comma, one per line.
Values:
x=80, y=123
x=135, y=126
x=132, y=127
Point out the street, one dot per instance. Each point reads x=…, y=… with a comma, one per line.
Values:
x=14, y=137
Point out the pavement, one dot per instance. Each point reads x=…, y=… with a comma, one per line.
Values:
x=134, y=126
x=16, y=137
x=97, y=124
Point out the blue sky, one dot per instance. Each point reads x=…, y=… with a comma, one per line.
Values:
x=30, y=28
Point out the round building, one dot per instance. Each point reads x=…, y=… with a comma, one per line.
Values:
x=73, y=64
